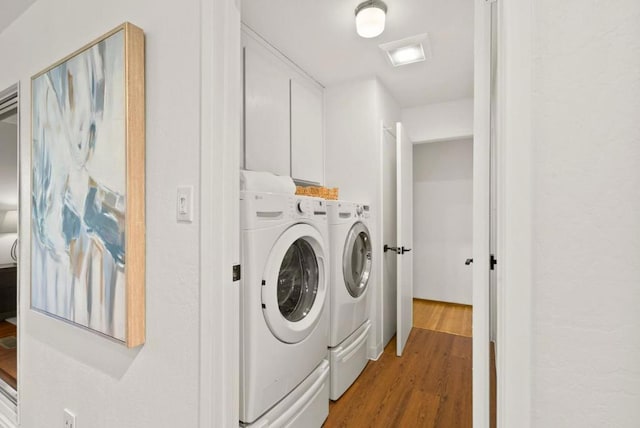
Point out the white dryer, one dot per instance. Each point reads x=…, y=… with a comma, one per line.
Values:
x=284, y=313
x=351, y=266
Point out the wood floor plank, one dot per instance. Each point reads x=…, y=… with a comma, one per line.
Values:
x=429, y=386
x=444, y=317
x=8, y=357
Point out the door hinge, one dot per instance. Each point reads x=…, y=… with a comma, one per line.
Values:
x=492, y=262
x=236, y=273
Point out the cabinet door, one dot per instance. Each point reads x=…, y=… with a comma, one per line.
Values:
x=307, y=149
x=267, y=132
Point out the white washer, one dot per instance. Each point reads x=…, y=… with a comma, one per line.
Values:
x=284, y=317
x=349, y=291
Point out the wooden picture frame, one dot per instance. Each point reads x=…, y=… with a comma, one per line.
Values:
x=88, y=187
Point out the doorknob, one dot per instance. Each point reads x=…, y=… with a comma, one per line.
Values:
x=404, y=250
x=394, y=249
x=468, y=262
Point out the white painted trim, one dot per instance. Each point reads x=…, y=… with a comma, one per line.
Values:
x=377, y=305
x=10, y=414
x=220, y=132
x=515, y=146
x=481, y=211
x=375, y=352
x=15, y=412
x=444, y=140
x=252, y=37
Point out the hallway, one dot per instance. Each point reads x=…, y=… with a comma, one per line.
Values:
x=430, y=386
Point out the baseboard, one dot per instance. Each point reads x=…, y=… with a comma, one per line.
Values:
x=375, y=352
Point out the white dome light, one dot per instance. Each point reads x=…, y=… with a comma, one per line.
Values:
x=370, y=18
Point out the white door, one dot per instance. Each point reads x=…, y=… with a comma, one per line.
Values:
x=404, y=171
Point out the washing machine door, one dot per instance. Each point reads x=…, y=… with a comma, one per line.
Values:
x=356, y=259
x=294, y=286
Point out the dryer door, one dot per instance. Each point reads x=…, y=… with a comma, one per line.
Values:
x=356, y=259
x=294, y=286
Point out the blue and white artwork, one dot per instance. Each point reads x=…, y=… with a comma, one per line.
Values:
x=78, y=189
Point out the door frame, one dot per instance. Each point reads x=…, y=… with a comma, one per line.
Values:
x=514, y=150
x=10, y=413
x=515, y=226
x=220, y=140
x=481, y=212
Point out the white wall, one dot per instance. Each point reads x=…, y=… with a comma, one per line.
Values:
x=354, y=112
x=8, y=166
x=62, y=366
x=443, y=220
x=586, y=216
x=439, y=122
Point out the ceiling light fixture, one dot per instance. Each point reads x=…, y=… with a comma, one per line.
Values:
x=370, y=18
x=407, y=51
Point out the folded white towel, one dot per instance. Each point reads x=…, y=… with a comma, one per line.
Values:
x=257, y=181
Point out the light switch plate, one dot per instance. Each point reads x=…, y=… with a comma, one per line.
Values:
x=184, y=204
x=69, y=419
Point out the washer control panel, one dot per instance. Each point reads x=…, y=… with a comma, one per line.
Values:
x=306, y=207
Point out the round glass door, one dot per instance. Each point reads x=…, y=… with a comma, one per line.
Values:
x=294, y=288
x=298, y=281
x=356, y=262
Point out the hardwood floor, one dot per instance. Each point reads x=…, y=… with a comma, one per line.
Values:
x=429, y=386
x=8, y=357
x=444, y=317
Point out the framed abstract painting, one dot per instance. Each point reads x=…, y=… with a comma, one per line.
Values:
x=88, y=187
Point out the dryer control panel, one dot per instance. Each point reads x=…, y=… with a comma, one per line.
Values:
x=347, y=212
x=310, y=208
x=362, y=211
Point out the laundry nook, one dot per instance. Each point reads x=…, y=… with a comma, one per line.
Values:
x=327, y=206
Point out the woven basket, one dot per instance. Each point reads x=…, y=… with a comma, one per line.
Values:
x=318, y=192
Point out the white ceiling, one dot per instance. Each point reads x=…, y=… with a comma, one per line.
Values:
x=11, y=9
x=320, y=37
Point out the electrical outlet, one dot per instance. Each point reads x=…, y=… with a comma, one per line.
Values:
x=69, y=419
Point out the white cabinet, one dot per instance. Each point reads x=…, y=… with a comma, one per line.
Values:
x=307, y=151
x=283, y=115
x=266, y=103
